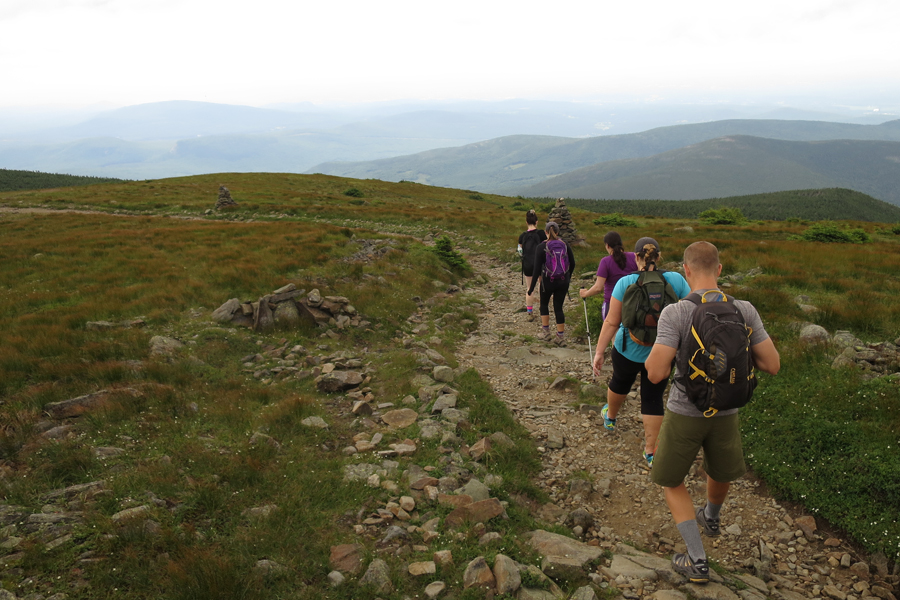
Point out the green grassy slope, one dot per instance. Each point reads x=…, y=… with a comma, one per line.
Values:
x=185, y=437
x=738, y=165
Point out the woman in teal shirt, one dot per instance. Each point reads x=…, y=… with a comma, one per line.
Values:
x=628, y=358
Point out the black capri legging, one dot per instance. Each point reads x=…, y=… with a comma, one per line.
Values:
x=625, y=371
x=559, y=296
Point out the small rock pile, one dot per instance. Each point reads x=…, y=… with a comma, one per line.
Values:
x=224, y=199
x=286, y=307
x=878, y=359
x=371, y=250
x=562, y=217
x=333, y=372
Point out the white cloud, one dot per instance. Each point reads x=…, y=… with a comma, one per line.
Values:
x=131, y=51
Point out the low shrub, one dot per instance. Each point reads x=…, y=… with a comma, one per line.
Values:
x=615, y=220
x=354, y=193
x=722, y=216
x=443, y=247
x=831, y=233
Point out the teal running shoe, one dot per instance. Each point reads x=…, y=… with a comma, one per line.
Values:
x=610, y=424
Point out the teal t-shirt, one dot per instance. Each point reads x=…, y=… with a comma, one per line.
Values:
x=632, y=350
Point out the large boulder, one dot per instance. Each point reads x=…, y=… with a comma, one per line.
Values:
x=478, y=575
x=338, y=381
x=377, y=577
x=564, y=557
x=814, y=334
x=224, y=313
x=286, y=314
x=346, y=558
x=164, y=346
x=263, y=320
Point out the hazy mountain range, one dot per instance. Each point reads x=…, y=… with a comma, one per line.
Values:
x=512, y=147
x=737, y=165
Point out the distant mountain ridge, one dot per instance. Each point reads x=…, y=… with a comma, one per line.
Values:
x=511, y=165
x=167, y=139
x=738, y=165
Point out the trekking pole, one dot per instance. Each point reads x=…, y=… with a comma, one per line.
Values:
x=587, y=326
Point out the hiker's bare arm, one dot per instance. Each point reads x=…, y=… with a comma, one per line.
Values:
x=594, y=289
x=607, y=332
x=766, y=357
x=659, y=363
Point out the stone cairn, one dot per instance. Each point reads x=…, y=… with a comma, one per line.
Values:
x=288, y=307
x=225, y=198
x=562, y=217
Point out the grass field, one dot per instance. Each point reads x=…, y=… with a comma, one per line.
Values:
x=150, y=250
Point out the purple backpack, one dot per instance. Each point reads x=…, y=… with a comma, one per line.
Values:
x=556, y=261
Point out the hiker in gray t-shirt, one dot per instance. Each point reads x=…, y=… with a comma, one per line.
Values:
x=677, y=327
x=685, y=429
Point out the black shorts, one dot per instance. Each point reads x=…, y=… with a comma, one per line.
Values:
x=625, y=371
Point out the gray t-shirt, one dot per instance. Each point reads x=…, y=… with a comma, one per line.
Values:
x=675, y=326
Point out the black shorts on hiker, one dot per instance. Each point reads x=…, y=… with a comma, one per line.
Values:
x=625, y=371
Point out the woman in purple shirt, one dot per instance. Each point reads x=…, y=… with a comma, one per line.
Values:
x=612, y=268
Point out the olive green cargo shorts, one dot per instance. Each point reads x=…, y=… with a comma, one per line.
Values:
x=681, y=438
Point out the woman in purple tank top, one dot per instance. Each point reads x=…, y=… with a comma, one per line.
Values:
x=612, y=268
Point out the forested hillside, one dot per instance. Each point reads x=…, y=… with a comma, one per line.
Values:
x=811, y=205
x=11, y=181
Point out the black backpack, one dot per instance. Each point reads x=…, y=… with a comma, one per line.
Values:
x=715, y=365
x=642, y=304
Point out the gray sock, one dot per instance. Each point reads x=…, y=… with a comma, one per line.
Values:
x=712, y=510
x=691, y=536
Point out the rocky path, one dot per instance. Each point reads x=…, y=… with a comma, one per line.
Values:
x=599, y=482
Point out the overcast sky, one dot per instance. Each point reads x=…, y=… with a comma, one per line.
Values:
x=79, y=52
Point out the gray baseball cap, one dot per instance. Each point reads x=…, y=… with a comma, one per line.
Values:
x=643, y=242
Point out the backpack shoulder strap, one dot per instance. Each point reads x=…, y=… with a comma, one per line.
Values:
x=693, y=297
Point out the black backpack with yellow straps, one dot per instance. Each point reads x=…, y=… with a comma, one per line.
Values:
x=715, y=364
